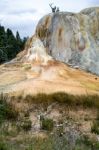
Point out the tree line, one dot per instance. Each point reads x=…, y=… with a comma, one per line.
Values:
x=10, y=44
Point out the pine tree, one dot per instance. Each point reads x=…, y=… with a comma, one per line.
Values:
x=10, y=45
x=3, y=53
x=19, y=41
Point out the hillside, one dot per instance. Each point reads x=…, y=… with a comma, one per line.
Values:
x=49, y=93
x=32, y=78
x=34, y=71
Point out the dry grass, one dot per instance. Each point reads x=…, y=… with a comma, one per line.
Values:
x=26, y=141
x=90, y=101
x=7, y=110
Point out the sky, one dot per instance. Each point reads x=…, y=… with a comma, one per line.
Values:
x=23, y=15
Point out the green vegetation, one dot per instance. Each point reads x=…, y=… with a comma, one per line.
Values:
x=51, y=142
x=15, y=129
x=3, y=146
x=10, y=45
x=86, y=143
x=47, y=124
x=24, y=124
x=7, y=111
x=95, y=127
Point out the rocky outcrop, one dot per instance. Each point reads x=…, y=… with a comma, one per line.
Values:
x=72, y=38
x=37, y=52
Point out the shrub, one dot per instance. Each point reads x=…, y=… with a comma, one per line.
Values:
x=95, y=127
x=47, y=124
x=88, y=143
x=7, y=111
x=3, y=146
x=25, y=124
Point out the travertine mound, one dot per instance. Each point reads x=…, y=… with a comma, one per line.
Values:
x=72, y=38
x=37, y=52
x=60, y=37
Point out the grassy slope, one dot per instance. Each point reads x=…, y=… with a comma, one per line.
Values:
x=14, y=136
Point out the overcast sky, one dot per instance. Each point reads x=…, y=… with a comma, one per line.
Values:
x=23, y=15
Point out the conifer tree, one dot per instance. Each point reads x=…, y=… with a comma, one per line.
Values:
x=10, y=45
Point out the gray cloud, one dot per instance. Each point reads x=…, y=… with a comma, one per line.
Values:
x=27, y=29
x=94, y=2
x=3, y=5
x=18, y=12
x=23, y=15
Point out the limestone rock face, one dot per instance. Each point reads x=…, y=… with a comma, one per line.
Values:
x=72, y=38
x=37, y=52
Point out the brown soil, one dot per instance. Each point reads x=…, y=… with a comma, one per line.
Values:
x=54, y=77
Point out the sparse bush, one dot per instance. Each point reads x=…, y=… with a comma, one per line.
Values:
x=3, y=146
x=95, y=127
x=24, y=124
x=88, y=143
x=26, y=114
x=47, y=124
x=7, y=111
x=27, y=124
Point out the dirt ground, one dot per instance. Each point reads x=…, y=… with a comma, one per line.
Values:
x=31, y=78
